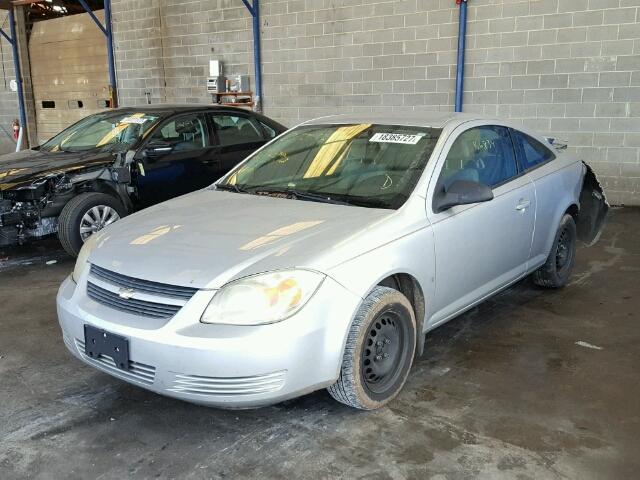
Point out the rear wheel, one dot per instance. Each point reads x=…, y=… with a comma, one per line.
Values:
x=557, y=269
x=379, y=351
x=83, y=216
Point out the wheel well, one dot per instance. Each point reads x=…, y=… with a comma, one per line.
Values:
x=574, y=211
x=99, y=187
x=410, y=288
x=102, y=187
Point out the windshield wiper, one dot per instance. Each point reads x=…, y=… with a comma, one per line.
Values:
x=296, y=194
x=228, y=187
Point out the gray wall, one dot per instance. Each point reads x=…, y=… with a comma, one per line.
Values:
x=570, y=68
x=8, y=99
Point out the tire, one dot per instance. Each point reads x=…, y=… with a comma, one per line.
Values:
x=363, y=382
x=557, y=269
x=71, y=217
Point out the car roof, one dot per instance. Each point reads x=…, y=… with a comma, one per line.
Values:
x=180, y=107
x=408, y=118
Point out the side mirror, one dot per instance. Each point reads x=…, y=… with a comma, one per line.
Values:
x=462, y=192
x=156, y=149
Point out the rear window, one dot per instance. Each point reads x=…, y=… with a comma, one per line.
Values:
x=532, y=152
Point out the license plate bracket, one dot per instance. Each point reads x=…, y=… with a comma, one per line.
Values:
x=100, y=342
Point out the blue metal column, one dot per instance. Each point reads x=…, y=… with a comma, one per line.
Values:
x=16, y=65
x=108, y=33
x=112, y=63
x=257, y=53
x=462, y=34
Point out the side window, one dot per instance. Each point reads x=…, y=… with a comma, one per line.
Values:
x=532, y=151
x=481, y=154
x=188, y=132
x=234, y=130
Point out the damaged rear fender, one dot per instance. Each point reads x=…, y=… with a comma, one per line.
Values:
x=594, y=208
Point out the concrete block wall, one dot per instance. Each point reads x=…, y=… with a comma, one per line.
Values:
x=8, y=99
x=570, y=68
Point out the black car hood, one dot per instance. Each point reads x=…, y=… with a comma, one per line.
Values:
x=27, y=166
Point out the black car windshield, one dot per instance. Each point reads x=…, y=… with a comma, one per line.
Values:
x=359, y=164
x=112, y=131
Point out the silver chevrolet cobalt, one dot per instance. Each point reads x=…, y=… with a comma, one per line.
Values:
x=324, y=258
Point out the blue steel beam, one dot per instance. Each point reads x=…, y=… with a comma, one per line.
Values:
x=4, y=34
x=18, y=72
x=254, y=10
x=249, y=7
x=462, y=34
x=108, y=33
x=112, y=61
x=93, y=16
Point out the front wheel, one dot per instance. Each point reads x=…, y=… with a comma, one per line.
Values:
x=379, y=351
x=557, y=269
x=83, y=216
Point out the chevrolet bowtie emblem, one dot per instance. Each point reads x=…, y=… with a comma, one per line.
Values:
x=126, y=293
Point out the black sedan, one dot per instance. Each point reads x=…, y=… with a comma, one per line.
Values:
x=116, y=162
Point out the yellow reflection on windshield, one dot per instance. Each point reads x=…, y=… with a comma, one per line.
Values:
x=117, y=130
x=336, y=142
x=279, y=233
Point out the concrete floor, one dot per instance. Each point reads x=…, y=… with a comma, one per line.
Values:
x=504, y=391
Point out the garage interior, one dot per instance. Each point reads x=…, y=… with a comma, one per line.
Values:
x=529, y=384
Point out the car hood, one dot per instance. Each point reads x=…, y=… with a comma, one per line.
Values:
x=207, y=238
x=25, y=167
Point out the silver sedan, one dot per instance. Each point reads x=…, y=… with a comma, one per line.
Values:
x=324, y=259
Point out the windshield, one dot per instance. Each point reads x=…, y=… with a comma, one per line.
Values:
x=108, y=131
x=362, y=164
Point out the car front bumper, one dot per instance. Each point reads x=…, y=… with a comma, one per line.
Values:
x=218, y=365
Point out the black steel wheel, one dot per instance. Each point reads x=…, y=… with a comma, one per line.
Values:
x=382, y=356
x=564, y=248
x=379, y=351
x=557, y=269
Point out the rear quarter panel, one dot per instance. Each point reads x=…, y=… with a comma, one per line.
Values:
x=558, y=184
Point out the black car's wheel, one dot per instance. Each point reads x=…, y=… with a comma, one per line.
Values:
x=557, y=269
x=84, y=215
x=379, y=351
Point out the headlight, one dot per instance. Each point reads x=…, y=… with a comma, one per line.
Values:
x=264, y=298
x=83, y=256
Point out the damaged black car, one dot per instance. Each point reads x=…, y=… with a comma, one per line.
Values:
x=114, y=163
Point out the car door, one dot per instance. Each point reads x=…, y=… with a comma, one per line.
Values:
x=237, y=135
x=481, y=247
x=536, y=159
x=177, y=158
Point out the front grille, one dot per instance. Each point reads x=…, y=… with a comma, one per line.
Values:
x=131, y=305
x=138, y=372
x=200, y=385
x=153, y=288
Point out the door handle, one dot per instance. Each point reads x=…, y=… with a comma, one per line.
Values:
x=523, y=205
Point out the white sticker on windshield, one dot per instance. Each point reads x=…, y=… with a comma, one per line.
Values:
x=396, y=138
x=138, y=120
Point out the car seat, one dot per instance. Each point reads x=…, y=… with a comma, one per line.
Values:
x=461, y=161
x=492, y=164
x=247, y=133
x=190, y=135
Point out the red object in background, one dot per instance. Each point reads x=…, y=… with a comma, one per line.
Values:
x=16, y=129
x=458, y=2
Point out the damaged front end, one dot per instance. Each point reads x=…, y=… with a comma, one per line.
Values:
x=593, y=208
x=31, y=211
x=30, y=207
